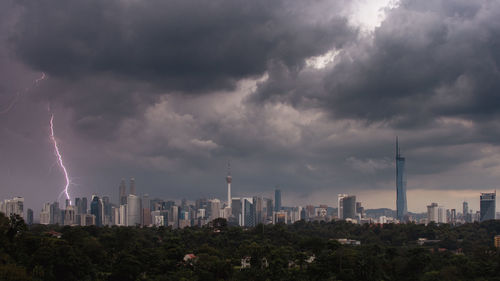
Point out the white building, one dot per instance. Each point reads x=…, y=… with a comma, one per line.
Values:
x=133, y=210
x=13, y=206
x=45, y=214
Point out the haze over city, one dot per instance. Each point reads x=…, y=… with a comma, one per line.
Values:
x=308, y=96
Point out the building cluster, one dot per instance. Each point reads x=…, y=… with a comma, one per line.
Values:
x=439, y=214
x=134, y=210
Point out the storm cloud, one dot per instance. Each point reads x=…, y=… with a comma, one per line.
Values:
x=295, y=93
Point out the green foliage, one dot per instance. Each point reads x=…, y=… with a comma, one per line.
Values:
x=302, y=251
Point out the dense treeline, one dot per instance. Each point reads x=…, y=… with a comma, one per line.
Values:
x=276, y=252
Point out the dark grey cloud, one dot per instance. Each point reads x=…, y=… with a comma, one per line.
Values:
x=168, y=91
x=181, y=45
x=426, y=60
x=108, y=60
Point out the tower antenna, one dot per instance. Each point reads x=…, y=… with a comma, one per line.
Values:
x=397, y=147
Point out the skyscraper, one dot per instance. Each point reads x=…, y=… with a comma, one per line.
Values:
x=277, y=200
x=122, y=193
x=229, y=179
x=340, y=205
x=29, y=217
x=132, y=186
x=432, y=213
x=465, y=212
x=14, y=206
x=83, y=205
x=96, y=209
x=45, y=214
x=401, y=207
x=487, y=206
x=145, y=210
x=133, y=210
x=349, y=207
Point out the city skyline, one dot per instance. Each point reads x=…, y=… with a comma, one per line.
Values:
x=308, y=96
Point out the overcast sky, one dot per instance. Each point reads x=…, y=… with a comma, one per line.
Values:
x=306, y=95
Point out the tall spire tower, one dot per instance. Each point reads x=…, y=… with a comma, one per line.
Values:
x=401, y=204
x=229, y=179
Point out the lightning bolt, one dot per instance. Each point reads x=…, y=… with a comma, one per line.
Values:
x=59, y=158
x=18, y=94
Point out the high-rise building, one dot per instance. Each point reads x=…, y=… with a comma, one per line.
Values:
x=349, y=207
x=465, y=212
x=441, y=214
x=106, y=214
x=45, y=214
x=401, y=206
x=236, y=208
x=78, y=201
x=269, y=208
x=55, y=213
x=29, y=217
x=146, y=210
x=173, y=216
x=229, y=179
x=96, y=209
x=258, y=210
x=14, y=206
x=340, y=205
x=453, y=216
x=487, y=206
x=83, y=206
x=132, y=186
x=277, y=200
x=432, y=213
x=360, y=210
x=122, y=220
x=122, y=193
x=69, y=215
x=215, y=207
x=133, y=210
x=247, y=211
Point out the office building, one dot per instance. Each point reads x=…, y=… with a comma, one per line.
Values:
x=277, y=200
x=215, y=206
x=349, y=207
x=122, y=193
x=258, y=210
x=96, y=209
x=453, y=216
x=70, y=215
x=55, y=213
x=83, y=206
x=14, y=206
x=401, y=205
x=29, y=217
x=246, y=212
x=106, y=214
x=432, y=213
x=269, y=208
x=132, y=186
x=45, y=214
x=487, y=206
x=173, y=217
x=340, y=205
x=280, y=217
x=229, y=179
x=146, y=210
x=133, y=210
x=465, y=212
x=442, y=214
